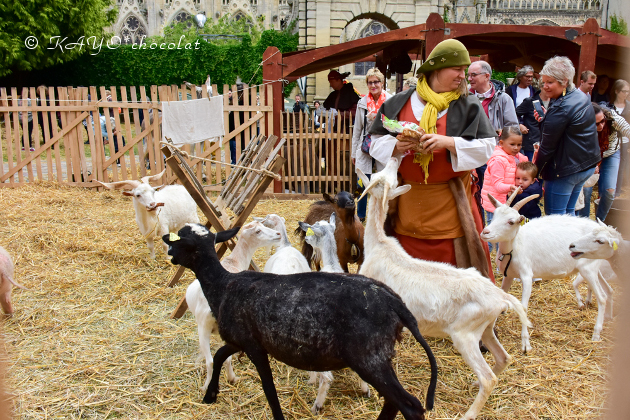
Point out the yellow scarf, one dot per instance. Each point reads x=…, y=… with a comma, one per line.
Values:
x=435, y=103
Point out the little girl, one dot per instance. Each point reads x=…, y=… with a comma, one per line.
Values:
x=501, y=172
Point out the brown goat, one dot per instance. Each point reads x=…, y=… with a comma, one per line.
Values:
x=348, y=233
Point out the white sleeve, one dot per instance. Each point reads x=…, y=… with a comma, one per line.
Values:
x=382, y=147
x=471, y=154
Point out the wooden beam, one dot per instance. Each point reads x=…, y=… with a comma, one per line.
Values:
x=272, y=70
x=435, y=34
x=588, y=52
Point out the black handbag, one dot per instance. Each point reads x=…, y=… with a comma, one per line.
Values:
x=367, y=138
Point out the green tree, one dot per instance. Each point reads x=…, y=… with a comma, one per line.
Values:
x=618, y=25
x=67, y=20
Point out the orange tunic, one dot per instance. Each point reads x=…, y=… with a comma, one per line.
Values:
x=427, y=221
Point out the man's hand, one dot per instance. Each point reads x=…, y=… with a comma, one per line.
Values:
x=514, y=188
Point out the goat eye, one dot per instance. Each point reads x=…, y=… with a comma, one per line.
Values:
x=599, y=241
x=510, y=222
x=257, y=230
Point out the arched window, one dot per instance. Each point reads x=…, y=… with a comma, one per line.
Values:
x=373, y=28
x=132, y=31
x=182, y=17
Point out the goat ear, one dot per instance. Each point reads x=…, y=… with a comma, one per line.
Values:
x=258, y=219
x=399, y=191
x=333, y=220
x=494, y=201
x=127, y=193
x=304, y=226
x=328, y=198
x=364, y=179
x=158, y=188
x=520, y=219
x=602, y=224
x=226, y=234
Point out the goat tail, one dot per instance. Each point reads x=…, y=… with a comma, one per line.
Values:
x=514, y=303
x=410, y=322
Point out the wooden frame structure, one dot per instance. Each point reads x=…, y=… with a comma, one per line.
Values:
x=503, y=46
x=242, y=191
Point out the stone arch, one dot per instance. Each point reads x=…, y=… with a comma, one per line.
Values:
x=544, y=22
x=181, y=16
x=379, y=17
x=241, y=14
x=507, y=22
x=133, y=29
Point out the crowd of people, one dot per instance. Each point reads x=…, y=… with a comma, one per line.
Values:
x=541, y=135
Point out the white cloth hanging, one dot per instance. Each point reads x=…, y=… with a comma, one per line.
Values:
x=186, y=122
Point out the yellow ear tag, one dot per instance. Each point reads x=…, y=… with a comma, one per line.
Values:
x=525, y=220
x=173, y=237
x=360, y=183
x=615, y=246
x=309, y=232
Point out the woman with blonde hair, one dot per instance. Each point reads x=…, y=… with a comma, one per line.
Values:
x=431, y=219
x=367, y=108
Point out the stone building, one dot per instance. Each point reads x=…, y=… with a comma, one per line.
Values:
x=137, y=18
x=323, y=22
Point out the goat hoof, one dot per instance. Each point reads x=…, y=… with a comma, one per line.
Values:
x=596, y=338
x=211, y=397
x=234, y=380
x=316, y=409
x=367, y=394
x=475, y=384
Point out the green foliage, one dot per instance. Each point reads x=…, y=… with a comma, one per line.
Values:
x=618, y=25
x=503, y=76
x=445, y=17
x=44, y=19
x=148, y=64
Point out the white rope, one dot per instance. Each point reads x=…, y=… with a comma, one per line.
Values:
x=260, y=171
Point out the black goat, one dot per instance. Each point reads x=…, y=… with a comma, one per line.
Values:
x=312, y=321
x=349, y=231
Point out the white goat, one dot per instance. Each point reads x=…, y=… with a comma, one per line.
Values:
x=158, y=210
x=253, y=236
x=540, y=248
x=445, y=300
x=6, y=281
x=602, y=243
x=321, y=236
x=286, y=259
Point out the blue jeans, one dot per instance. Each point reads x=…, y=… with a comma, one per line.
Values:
x=529, y=154
x=561, y=194
x=233, y=152
x=362, y=204
x=586, y=211
x=489, y=216
x=607, y=183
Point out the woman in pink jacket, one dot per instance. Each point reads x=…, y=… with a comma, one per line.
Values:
x=501, y=172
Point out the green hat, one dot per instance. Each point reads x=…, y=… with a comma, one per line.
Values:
x=448, y=53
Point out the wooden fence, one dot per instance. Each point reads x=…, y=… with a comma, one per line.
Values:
x=54, y=134
x=318, y=158
x=67, y=144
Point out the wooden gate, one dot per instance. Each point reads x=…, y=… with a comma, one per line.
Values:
x=76, y=135
x=318, y=155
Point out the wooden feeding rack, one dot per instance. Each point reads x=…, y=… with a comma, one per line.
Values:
x=258, y=165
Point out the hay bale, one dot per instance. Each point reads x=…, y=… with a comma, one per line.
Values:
x=92, y=338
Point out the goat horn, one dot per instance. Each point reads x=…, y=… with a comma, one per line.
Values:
x=385, y=191
x=494, y=201
x=514, y=194
x=524, y=201
x=149, y=178
x=367, y=188
x=120, y=185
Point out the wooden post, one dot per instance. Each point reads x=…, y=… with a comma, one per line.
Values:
x=272, y=70
x=588, y=50
x=435, y=32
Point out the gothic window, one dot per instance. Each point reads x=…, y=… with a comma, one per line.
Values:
x=132, y=31
x=374, y=28
x=182, y=17
x=361, y=68
x=226, y=2
x=254, y=2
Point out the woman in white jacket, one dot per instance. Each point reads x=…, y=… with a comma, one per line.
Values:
x=367, y=108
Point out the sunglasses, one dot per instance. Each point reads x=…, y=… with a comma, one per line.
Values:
x=378, y=82
x=602, y=122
